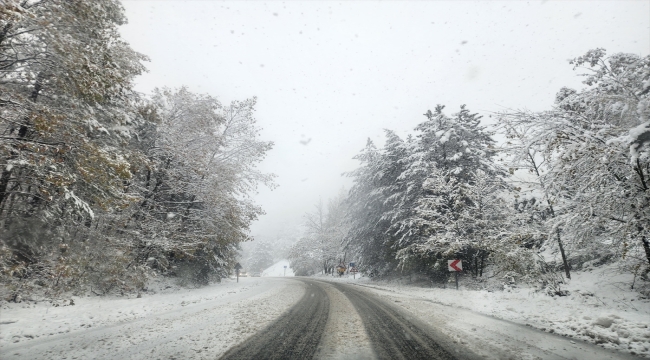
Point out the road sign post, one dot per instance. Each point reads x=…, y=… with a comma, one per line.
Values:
x=456, y=266
x=353, y=270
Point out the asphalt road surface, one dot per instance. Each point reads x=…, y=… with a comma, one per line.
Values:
x=295, y=335
x=392, y=334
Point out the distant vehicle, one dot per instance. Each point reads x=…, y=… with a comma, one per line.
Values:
x=257, y=274
x=243, y=274
x=341, y=269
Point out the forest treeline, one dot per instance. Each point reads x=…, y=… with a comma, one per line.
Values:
x=563, y=189
x=102, y=187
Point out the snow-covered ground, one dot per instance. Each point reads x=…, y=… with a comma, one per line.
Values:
x=279, y=269
x=174, y=322
x=601, y=308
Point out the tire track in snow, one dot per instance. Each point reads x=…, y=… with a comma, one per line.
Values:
x=300, y=332
x=396, y=335
x=295, y=335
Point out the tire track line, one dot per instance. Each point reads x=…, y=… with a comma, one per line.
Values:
x=295, y=335
x=393, y=335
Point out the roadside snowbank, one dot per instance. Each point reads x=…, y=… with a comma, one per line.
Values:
x=278, y=269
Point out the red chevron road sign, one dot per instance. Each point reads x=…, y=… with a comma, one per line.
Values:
x=455, y=265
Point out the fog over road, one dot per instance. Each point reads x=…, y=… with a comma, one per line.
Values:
x=278, y=318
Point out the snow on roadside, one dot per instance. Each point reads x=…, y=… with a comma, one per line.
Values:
x=278, y=269
x=28, y=320
x=109, y=327
x=601, y=308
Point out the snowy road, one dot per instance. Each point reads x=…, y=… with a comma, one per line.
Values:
x=470, y=334
x=370, y=323
x=277, y=318
x=297, y=334
x=188, y=324
x=395, y=334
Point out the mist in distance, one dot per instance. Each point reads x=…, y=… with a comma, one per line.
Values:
x=328, y=75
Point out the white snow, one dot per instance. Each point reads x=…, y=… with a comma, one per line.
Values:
x=172, y=323
x=445, y=137
x=344, y=336
x=633, y=136
x=278, y=269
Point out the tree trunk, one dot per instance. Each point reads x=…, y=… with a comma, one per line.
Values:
x=550, y=205
x=4, y=182
x=4, y=32
x=646, y=247
x=566, y=263
x=22, y=134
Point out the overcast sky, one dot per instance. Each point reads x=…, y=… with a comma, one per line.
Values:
x=329, y=75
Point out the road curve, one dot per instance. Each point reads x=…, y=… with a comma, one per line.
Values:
x=298, y=333
x=295, y=335
x=394, y=334
x=397, y=335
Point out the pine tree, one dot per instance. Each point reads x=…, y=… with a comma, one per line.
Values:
x=447, y=155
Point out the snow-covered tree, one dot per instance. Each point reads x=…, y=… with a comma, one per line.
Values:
x=462, y=220
x=196, y=203
x=321, y=248
x=67, y=105
x=99, y=185
x=594, y=142
x=447, y=154
x=434, y=196
x=305, y=257
x=66, y=110
x=260, y=257
x=367, y=238
x=529, y=163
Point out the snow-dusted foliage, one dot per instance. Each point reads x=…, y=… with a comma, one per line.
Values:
x=321, y=247
x=374, y=182
x=99, y=186
x=443, y=191
x=576, y=192
x=433, y=197
x=260, y=258
x=195, y=205
x=593, y=161
x=66, y=110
